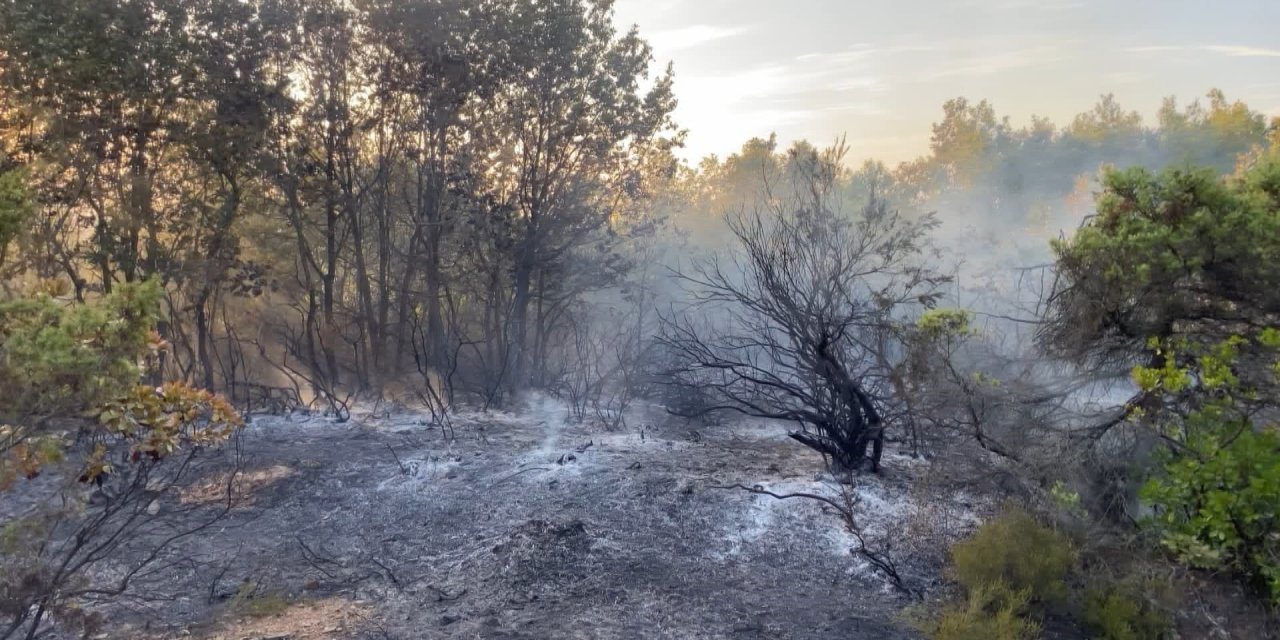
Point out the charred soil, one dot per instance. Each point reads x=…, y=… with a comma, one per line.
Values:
x=524, y=526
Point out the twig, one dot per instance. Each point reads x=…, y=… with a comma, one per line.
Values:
x=403, y=469
x=443, y=596
x=314, y=559
x=390, y=574
x=848, y=516
x=213, y=586
x=881, y=561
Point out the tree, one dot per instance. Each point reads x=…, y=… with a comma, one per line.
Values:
x=1107, y=120
x=104, y=506
x=1180, y=257
x=146, y=117
x=61, y=362
x=102, y=86
x=1215, y=136
x=1178, y=254
x=572, y=127
x=442, y=65
x=74, y=411
x=796, y=323
x=15, y=214
x=963, y=142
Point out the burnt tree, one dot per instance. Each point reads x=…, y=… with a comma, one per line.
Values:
x=794, y=323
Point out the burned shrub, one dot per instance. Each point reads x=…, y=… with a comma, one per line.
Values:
x=799, y=322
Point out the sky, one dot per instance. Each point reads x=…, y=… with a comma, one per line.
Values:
x=878, y=71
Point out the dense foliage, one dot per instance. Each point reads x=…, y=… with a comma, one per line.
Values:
x=75, y=409
x=1216, y=498
x=1010, y=569
x=1016, y=574
x=334, y=194
x=1181, y=253
x=1175, y=279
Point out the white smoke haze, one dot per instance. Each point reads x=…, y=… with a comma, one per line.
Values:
x=1001, y=196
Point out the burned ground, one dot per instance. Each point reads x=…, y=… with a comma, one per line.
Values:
x=523, y=526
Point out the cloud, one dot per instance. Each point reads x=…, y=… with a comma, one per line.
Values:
x=1028, y=5
x=722, y=111
x=735, y=87
x=691, y=36
x=994, y=63
x=1125, y=77
x=1161, y=48
x=855, y=53
x=859, y=83
x=861, y=52
x=1242, y=52
x=1230, y=50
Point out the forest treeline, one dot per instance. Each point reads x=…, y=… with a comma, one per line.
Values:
x=328, y=190
x=337, y=195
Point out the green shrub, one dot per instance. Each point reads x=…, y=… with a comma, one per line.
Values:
x=1216, y=497
x=1115, y=613
x=1016, y=553
x=248, y=602
x=1008, y=565
x=1222, y=509
x=71, y=374
x=990, y=612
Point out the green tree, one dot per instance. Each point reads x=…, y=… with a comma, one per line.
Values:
x=1182, y=253
x=145, y=117
x=1215, y=136
x=572, y=125
x=15, y=213
x=964, y=141
x=107, y=88
x=1107, y=121
x=1175, y=282
x=73, y=408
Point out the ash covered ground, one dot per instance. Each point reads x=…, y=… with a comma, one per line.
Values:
x=522, y=525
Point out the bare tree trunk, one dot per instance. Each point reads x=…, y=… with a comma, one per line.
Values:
x=202, y=337
x=214, y=271
x=403, y=334
x=436, y=344
x=519, y=326
x=365, y=319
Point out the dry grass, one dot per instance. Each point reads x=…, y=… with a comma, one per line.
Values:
x=308, y=620
x=240, y=489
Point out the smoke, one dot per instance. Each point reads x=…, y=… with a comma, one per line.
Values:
x=1000, y=203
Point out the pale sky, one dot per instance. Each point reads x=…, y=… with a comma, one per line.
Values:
x=879, y=70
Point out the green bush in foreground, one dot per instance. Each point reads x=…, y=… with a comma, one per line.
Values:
x=990, y=612
x=1216, y=496
x=1116, y=613
x=1009, y=565
x=1015, y=553
x=1014, y=570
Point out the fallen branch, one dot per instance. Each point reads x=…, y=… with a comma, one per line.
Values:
x=848, y=515
x=443, y=596
x=315, y=560
x=403, y=469
x=390, y=574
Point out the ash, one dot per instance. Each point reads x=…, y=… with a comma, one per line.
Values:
x=524, y=525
